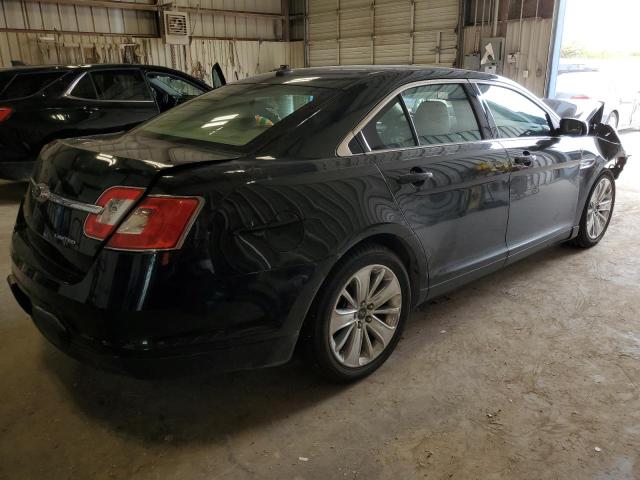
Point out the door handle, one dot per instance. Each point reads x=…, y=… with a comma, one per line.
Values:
x=525, y=160
x=417, y=177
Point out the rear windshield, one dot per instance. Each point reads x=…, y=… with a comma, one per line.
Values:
x=235, y=114
x=26, y=84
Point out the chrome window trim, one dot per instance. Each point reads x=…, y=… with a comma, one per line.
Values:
x=431, y=145
x=343, y=148
x=41, y=193
x=67, y=93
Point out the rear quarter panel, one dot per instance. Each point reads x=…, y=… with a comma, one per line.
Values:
x=292, y=219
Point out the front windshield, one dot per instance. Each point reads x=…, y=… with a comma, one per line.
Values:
x=233, y=114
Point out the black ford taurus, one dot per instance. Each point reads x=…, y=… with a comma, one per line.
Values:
x=307, y=209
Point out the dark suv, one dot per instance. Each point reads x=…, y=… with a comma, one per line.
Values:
x=41, y=104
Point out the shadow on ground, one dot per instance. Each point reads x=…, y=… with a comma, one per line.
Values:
x=202, y=408
x=12, y=192
x=207, y=408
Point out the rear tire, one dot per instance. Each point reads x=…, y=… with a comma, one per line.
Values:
x=597, y=211
x=357, y=319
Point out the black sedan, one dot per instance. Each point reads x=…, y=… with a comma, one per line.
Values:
x=41, y=104
x=300, y=209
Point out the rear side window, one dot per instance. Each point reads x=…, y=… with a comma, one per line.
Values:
x=389, y=128
x=120, y=85
x=441, y=114
x=514, y=114
x=27, y=84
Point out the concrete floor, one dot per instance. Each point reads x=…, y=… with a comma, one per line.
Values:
x=531, y=373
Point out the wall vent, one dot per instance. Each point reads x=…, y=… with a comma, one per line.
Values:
x=176, y=28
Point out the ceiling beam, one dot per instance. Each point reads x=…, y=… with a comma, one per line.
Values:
x=157, y=7
x=100, y=3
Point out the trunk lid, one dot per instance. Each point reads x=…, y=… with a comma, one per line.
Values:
x=71, y=175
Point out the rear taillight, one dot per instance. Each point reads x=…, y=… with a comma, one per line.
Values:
x=156, y=223
x=116, y=202
x=5, y=113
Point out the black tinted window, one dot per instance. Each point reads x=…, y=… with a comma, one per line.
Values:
x=84, y=88
x=354, y=146
x=441, y=114
x=217, y=78
x=26, y=84
x=514, y=114
x=120, y=85
x=389, y=128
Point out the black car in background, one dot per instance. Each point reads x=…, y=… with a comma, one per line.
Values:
x=45, y=103
x=307, y=208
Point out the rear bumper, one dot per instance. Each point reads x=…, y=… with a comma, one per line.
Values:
x=177, y=358
x=152, y=315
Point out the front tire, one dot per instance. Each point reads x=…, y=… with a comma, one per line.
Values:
x=358, y=317
x=597, y=211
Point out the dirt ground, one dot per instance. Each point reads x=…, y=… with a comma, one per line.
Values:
x=531, y=373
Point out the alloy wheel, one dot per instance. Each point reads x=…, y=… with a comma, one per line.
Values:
x=599, y=209
x=365, y=316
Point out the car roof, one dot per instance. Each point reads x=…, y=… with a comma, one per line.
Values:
x=95, y=66
x=346, y=76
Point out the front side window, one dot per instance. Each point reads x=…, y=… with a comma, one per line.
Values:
x=84, y=88
x=120, y=85
x=233, y=114
x=173, y=85
x=514, y=114
x=441, y=113
x=389, y=128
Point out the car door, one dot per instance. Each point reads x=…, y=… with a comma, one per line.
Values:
x=450, y=180
x=545, y=175
x=110, y=100
x=217, y=77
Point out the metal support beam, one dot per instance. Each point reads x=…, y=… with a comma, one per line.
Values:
x=100, y=3
x=555, y=45
x=156, y=7
x=286, y=20
x=226, y=13
x=73, y=32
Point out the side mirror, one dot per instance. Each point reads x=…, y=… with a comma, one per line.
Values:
x=573, y=127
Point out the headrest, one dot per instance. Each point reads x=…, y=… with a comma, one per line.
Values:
x=432, y=118
x=465, y=120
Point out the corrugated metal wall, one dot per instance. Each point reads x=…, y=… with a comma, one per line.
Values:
x=347, y=32
x=64, y=18
x=531, y=38
x=49, y=33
